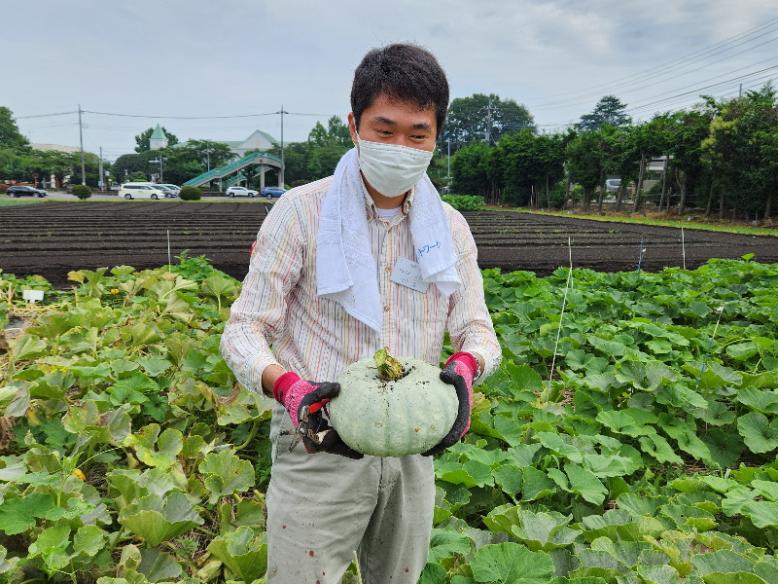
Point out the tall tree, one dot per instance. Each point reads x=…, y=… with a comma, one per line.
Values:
x=318, y=135
x=740, y=149
x=530, y=165
x=474, y=171
x=211, y=153
x=623, y=157
x=338, y=132
x=484, y=118
x=609, y=110
x=10, y=137
x=142, y=139
x=585, y=162
x=127, y=165
x=690, y=128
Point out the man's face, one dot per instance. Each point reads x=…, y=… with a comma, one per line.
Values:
x=396, y=122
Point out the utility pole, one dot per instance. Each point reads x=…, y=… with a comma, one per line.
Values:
x=81, y=144
x=102, y=175
x=740, y=91
x=159, y=161
x=281, y=174
x=488, y=132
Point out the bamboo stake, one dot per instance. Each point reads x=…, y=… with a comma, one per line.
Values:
x=564, y=304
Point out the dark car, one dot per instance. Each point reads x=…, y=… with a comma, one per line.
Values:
x=272, y=192
x=24, y=191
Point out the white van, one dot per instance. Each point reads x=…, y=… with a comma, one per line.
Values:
x=141, y=191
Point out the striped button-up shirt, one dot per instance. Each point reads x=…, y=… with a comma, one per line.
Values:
x=279, y=318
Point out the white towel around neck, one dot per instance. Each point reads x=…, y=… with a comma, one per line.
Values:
x=346, y=270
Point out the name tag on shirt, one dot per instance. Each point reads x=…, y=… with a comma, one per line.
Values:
x=408, y=273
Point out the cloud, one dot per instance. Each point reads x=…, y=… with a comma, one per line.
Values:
x=198, y=57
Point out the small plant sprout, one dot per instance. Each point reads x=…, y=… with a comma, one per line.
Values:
x=720, y=311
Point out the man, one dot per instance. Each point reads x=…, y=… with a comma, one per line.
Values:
x=367, y=258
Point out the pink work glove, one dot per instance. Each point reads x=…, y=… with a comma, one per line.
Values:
x=291, y=391
x=294, y=394
x=459, y=371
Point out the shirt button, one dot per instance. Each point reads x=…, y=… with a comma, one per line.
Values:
x=386, y=308
x=388, y=269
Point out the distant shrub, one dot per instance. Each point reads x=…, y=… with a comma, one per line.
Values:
x=190, y=194
x=465, y=202
x=81, y=191
x=136, y=176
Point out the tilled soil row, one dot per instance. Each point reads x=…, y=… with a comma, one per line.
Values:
x=55, y=238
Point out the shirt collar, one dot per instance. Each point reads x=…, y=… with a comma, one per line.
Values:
x=371, y=208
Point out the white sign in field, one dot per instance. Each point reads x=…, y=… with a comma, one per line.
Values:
x=32, y=295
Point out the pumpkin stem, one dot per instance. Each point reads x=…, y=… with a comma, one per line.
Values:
x=389, y=368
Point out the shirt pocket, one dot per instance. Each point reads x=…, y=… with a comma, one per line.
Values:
x=428, y=308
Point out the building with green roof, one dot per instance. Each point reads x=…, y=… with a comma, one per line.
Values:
x=158, y=139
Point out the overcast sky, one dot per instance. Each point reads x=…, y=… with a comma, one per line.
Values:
x=208, y=58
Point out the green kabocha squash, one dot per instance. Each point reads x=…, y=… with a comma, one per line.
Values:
x=392, y=407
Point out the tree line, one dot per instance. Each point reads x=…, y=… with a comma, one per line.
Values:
x=21, y=162
x=720, y=156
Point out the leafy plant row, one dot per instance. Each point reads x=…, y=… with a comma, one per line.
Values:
x=630, y=439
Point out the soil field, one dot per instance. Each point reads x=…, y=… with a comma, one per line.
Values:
x=55, y=238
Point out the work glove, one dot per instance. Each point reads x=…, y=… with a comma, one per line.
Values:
x=459, y=371
x=304, y=401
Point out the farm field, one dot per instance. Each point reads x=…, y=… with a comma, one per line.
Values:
x=629, y=438
x=52, y=239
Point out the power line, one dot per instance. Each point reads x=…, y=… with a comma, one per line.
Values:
x=218, y=117
x=683, y=97
x=698, y=89
x=46, y=115
x=654, y=70
x=626, y=88
x=640, y=106
x=175, y=117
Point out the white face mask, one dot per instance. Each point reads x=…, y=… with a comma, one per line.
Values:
x=391, y=169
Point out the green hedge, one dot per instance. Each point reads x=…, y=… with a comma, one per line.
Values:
x=465, y=202
x=190, y=194
x=81, y=191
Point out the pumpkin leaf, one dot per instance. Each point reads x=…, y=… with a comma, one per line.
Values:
x=511, y=563
x=155, y=449
x=226, y=474
x=759, y=433
x=157, y=519
x=243, y=552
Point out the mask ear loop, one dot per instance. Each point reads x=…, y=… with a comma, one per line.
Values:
x=356, y=144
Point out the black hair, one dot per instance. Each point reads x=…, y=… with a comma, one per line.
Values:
x=404, y=72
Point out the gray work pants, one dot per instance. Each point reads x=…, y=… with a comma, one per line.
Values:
x=322, y=507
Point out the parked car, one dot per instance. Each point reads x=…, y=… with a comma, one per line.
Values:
x=115, y=187
x=273, y=192
x=25, y=191
x=141, y=191
x=170, y=193
x=240, y=192
x=175, y=188
x=612, y=185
